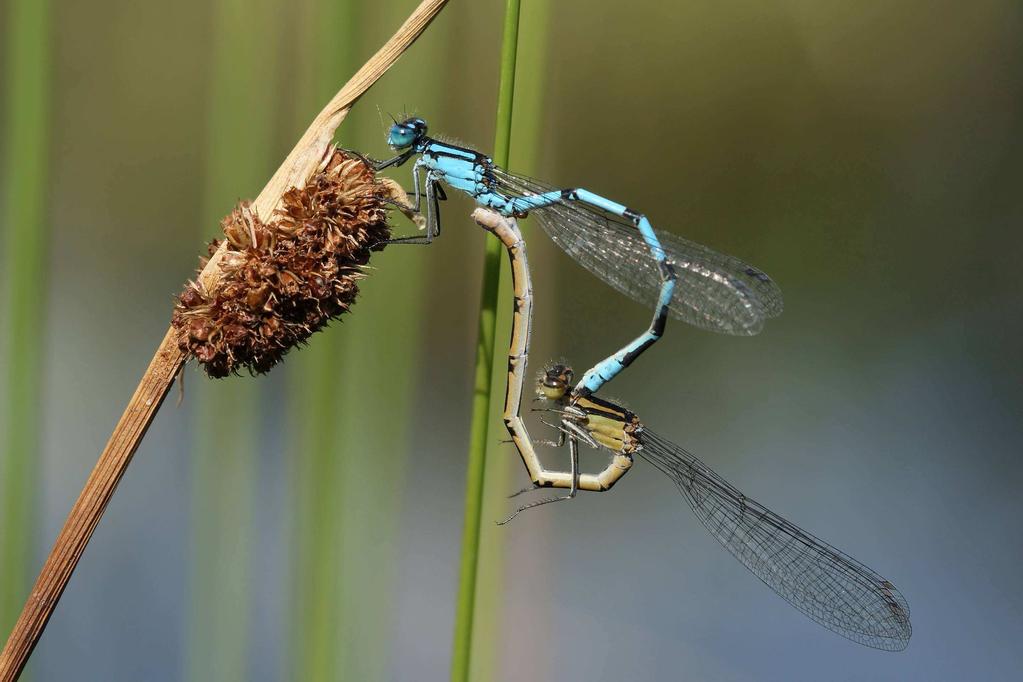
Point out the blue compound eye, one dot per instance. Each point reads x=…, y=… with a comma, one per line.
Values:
x=406, y=133
x=401, y=136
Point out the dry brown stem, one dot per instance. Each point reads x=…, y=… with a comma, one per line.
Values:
x=300, y=164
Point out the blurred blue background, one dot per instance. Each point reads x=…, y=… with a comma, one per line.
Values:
x=306, y=525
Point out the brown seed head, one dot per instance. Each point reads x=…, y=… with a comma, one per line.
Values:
x=285, y=279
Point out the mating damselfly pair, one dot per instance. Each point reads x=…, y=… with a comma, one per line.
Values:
x=686, y=281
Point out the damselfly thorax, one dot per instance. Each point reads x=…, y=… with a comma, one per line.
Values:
x=596, y=421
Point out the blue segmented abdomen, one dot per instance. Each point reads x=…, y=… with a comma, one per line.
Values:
x=714, y=291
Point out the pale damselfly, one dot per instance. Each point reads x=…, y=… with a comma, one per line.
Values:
x=688, y=281
x=829, y=586
x=826, y=584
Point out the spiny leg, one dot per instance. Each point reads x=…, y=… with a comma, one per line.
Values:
x=432, y=210
x=555, y=444
x=435, y=193
x=407, y=209
x=560, y=442
x=527, y=489
x=573, y=448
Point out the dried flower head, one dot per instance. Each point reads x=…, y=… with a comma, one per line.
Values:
x=283, y=280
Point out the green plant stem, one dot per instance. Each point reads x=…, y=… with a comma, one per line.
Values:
x=505, y=468
x=27, y=59
x=476, y=470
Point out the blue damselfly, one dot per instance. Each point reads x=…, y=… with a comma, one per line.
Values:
x=681, y=278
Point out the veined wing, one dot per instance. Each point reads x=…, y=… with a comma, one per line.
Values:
x=714, y=291
x=827, y=585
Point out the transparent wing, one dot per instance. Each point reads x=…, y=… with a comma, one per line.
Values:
x=714, y=291
x=827, y=585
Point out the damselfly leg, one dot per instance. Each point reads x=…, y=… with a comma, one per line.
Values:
x=434, y=195
x=560, y=442
x=573, y=448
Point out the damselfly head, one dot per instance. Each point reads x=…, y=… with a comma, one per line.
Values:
x=406, y=133
x=556, y=381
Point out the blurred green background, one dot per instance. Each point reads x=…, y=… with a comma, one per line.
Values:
x=305, y=525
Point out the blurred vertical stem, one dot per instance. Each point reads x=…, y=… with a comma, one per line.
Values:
x=27, y=60
x=379, y=381
x=476, y=470
x=325, y=58
x=505, y=464
x=239, y=156
x=352, y=393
